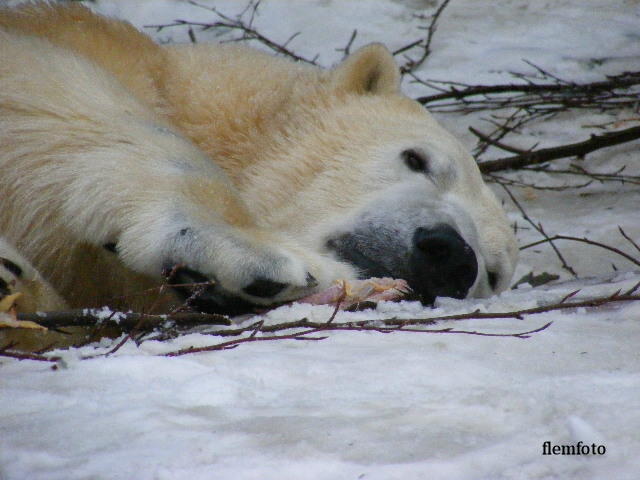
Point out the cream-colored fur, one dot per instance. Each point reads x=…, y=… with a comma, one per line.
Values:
x=222, y=158
x=17, y=274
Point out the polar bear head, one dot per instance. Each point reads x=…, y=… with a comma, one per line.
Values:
x=343, y=163
x=371, y=179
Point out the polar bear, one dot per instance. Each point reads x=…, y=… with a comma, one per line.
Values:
x=126, y=164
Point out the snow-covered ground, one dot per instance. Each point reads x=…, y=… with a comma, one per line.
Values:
x=367, y=405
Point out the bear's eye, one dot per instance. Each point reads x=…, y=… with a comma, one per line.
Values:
x=415, y=160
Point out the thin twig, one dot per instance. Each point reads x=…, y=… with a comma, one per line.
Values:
x=583, y=240
x=579, y=170
x=540, y=230
x=234, y=343
x=346, y=50
x=249, y=32
x=519, y=183
x=628, y=238
x=497, y=143
x=412, y=65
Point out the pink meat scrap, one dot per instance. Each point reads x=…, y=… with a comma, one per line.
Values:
x=349, y=293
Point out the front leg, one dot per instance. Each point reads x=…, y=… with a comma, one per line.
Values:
x=197, y=229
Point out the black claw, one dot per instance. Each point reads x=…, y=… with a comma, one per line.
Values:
x=4, y=288
x=111, y=247
x=12, y=267
x=311, y=281
x=264, y=288
x=200, y=293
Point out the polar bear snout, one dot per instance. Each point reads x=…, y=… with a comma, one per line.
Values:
x=442, y=264
x=435, y=260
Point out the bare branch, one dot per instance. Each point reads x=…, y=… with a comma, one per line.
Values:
x=234, y=343
x=492, y=177
x=628, y=238
x=602, y=177
x=497, y=143
x=6, y=351
x=396, y=325
x=458, y=91
x=127, y=322
x=307, y=328
x=249, y=32
x=412, y=65
x=583, y=240
x=579, y=149
x=540, y=230
x=346, y=50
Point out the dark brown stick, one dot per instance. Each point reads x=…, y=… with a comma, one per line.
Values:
x=497, y=143
x=579, y=149
x=91, y=317
x=7, y=352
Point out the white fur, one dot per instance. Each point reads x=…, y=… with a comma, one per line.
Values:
x=220, y=157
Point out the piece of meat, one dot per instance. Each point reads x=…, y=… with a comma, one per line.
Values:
x=349, y=293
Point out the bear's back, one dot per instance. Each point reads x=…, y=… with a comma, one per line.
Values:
x=132, y=57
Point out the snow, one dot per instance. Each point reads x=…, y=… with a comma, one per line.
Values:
x=105, y=313
x=367, y=405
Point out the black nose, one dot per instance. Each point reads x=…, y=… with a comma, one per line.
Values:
x=442, y=264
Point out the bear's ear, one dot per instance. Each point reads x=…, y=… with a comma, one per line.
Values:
x=370, y=70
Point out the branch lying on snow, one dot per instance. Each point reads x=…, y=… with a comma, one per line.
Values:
x=395, y=325
x=124, y=321
x=579, y=170
x=559, y=95
x=535, y=157
x=308, y=330
x=6, y=351
x=539, y=96
x=589, y=242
